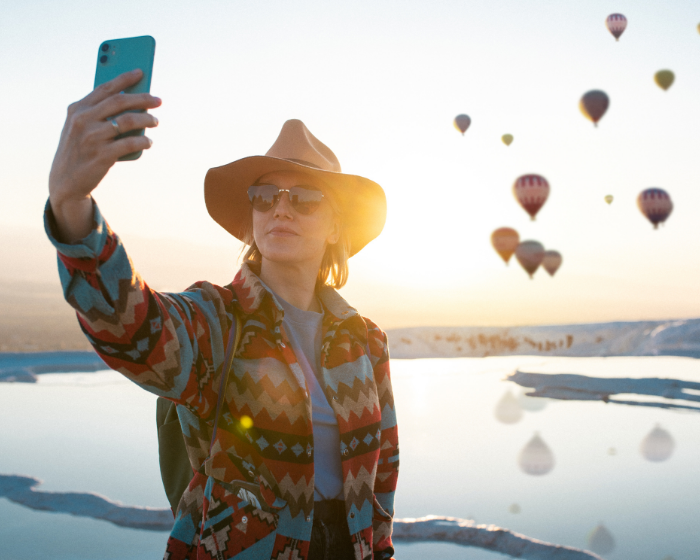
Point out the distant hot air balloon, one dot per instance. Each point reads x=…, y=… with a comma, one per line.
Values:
x=462, y=123
x=507, y=139
x=609, y=198
x=664, y=79
x=657, y=446
x=655, y=204
x=530, y=255
x=505, y=240
x=593, y=105
x=551, y=261
x=508, y=410
x=600, y=540
x=514, y=508
x=531, y=192
x=616, y=24
x=536, y=458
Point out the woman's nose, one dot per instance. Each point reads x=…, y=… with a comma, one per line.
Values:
x=283, y=206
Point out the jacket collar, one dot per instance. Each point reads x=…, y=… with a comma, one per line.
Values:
x=251, y=293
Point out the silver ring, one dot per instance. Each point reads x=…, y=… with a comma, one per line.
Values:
x=115, y=126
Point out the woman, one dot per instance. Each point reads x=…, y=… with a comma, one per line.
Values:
x=304, y=461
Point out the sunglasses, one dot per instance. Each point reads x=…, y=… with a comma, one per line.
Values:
x=304, y=200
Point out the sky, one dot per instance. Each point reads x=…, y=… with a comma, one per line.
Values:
x=380, y=83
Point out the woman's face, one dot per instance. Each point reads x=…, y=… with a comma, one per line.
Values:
x=287, y=237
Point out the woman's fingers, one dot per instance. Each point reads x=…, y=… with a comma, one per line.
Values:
x=116, y=85
x=117, y=104
x=127, y=145
x=126, y=123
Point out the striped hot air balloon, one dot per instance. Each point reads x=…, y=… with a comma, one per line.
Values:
x=530, y=255
x=531, y=192
x=655, y=204
x=616, y=24
x=505, y=240
x=551, y=261
x=462, y=123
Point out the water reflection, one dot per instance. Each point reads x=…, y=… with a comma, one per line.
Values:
x=508, y=409
x=658, y=445
x=600, y=540
x=530, y=403
x=536, y=458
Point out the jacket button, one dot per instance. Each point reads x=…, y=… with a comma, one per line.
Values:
x=352, y=515
x=335, y=397
x=308, y=452
x=250, y=474
x=283, y=345
x=345, y=451
x=308, y=518
x=244, y=519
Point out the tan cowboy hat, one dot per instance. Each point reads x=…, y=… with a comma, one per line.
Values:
x=362, y=202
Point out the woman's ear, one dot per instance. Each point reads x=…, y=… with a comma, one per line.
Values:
x=334, y=235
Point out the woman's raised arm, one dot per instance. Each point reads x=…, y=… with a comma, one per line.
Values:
x=87, y=150
x=170, y=344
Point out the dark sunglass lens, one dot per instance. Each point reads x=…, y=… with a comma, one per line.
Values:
x=262, y=197
x=305, y=201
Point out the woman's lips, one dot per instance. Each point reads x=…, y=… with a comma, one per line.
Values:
x=282, y=232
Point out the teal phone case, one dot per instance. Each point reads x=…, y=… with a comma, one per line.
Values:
x=117, y=56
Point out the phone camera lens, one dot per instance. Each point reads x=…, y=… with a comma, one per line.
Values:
x=103, y=58
x=105, y=47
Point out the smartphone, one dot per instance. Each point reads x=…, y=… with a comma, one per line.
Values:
x=117, y=56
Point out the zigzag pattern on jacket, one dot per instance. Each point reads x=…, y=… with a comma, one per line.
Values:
x=173, y=346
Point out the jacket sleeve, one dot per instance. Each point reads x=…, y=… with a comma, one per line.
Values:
x=170, y=344
x=388, y=467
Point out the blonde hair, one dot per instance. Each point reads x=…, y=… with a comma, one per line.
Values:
x=334, y=270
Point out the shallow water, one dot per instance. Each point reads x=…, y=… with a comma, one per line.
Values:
x=95, y=432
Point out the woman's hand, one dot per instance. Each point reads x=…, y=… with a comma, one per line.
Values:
x=87, y=149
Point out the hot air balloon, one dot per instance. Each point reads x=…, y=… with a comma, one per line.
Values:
x=657, y=446
x=609, y=198
x=593, y=105
x=508, y=410
x=530, y=255
x=616, y=24
x=505, y=240
x=600, y=540
x=551, y=261
x=514, y=508
x=462, y=123
x=507, y=139
x=664, y=79
x=655, y=204
x=536, y=458
x=531, y=192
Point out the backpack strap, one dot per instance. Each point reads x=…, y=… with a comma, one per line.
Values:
x=234, y=337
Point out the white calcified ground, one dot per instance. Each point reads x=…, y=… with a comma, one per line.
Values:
x=642, y=338
x=22, y=490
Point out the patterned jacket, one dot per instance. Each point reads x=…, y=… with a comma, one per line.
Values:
x=252, y=499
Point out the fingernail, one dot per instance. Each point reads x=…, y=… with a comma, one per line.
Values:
x=158, y=99
x=136, y=71
x=150, y=142
x=155, y=121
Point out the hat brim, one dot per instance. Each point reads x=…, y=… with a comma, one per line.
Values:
x=362, y=201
